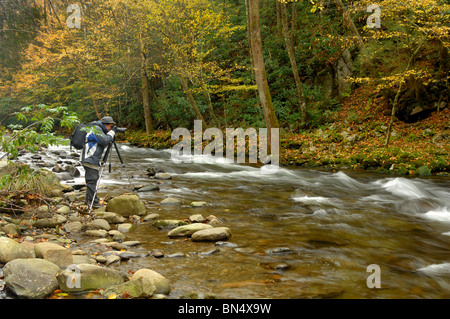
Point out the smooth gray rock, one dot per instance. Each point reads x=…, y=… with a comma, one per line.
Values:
x=170, y=201
x=212, y=234
x=99, y=223
x=126, y=205
x=31, y=278
x=10, y=250
x=159, y=281
x=137, y=288
x=188, y=230
x=112, y=218
x=169, y=223
x=73, y=227
x=54, y=253
x=86, y=277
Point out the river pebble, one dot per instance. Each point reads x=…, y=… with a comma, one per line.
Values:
x=197, y=218
x=212, y=234
x=125, y=227
x=97, y=233
x=170, y=201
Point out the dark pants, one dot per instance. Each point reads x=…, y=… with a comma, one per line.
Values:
x=91, y=177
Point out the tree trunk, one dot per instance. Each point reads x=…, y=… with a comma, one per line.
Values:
x=91, y=94
x=207, y=97
x=260, y=70
x=145, y=90
x=278, y=15
x=247, y=15
x=190, y=97
x=394, y=104
x=294, y=22
x=350, y=24
x=291, y=54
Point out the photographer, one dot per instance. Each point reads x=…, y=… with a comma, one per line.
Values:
x=101, y=135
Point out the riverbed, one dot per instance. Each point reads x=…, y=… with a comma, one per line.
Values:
x=296, y=233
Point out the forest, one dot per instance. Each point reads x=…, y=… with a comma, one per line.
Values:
x=360, y=84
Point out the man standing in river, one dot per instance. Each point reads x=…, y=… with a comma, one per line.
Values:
x=100, y=136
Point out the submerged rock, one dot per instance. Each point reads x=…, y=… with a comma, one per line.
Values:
x=163, y=176
x=150, y=188
x=199, y=204
x=170, y=201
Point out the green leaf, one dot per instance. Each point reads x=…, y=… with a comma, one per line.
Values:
x=26, y=109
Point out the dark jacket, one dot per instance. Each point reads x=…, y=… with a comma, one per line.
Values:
x=96, y=141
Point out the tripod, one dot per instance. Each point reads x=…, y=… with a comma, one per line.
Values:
x=102, y=166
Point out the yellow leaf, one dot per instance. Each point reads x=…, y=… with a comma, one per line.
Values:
x=112, y=296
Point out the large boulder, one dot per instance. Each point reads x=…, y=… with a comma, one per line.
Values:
x=54, y=253
x=213, y=234
x=188, y=230
x=126, y=205
x=31, y=278
x=152, y=277
x=10, y=250
x=86, y=277
x=344, y=68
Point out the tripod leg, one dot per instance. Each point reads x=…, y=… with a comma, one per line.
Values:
x=123, y=165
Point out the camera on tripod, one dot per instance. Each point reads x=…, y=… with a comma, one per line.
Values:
x=119, y=129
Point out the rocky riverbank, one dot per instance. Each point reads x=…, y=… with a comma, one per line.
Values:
x=41, y=255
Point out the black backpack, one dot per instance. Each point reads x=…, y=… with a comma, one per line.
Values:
x=78, y=136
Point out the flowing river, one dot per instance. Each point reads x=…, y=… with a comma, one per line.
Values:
x=296, y=233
